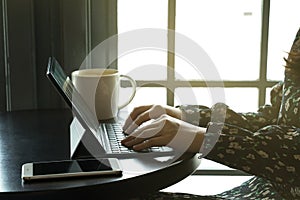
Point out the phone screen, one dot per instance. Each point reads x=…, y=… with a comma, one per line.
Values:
x=71, y=166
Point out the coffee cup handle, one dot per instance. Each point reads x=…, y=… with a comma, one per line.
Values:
x=133, y=83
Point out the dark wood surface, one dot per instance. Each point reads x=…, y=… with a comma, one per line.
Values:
x=43, y=135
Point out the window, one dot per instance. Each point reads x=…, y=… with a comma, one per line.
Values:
x=243, y=38
x=146, y=14
x=282, y=31
x=229, y=31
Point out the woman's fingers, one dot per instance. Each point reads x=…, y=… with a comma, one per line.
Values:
x=134, y=115
x=139, y=138
x=153, y=134
x=143, y=141
x=156, y=141
x=143, y=133
x=141, y=115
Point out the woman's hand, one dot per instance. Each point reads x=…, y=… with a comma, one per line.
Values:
x=142, y=114
x=166, y=129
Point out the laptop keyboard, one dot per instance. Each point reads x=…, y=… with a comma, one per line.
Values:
x=116, y=135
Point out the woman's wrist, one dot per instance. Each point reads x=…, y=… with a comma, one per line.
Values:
x=211, y=136
x=198, y=140
x=190, y=114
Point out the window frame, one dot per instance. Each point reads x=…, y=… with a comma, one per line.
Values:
x=171, y=83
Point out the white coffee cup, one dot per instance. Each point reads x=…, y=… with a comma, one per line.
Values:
x=100, y=89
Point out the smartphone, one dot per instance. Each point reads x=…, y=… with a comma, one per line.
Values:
x=70, y=168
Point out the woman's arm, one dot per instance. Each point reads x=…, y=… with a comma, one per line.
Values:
x=268, y=114
x=272, y=152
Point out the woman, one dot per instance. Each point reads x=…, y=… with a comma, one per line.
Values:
x=265, y=144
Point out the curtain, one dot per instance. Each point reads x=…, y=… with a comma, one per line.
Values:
x=34, y=30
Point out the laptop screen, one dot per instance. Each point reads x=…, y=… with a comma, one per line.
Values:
x=71, y=96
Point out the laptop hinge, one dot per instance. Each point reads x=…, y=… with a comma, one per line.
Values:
x=83, y=143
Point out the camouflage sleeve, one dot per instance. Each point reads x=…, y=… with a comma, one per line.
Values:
x=268, y=113
x=271, y=152
x=201, y=115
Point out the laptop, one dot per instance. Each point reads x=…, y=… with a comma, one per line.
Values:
x=100, y=139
